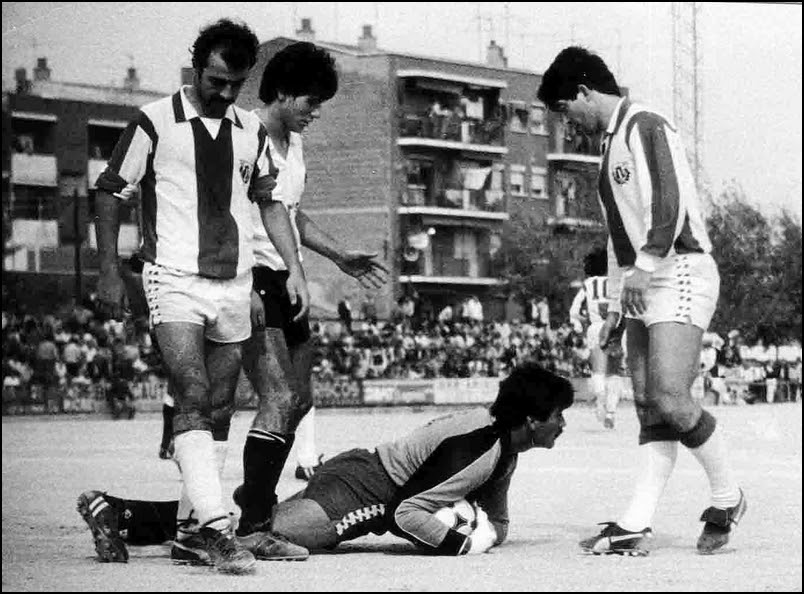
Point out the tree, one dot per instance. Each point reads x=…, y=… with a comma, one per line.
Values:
x=760, y=269
x=539, y=260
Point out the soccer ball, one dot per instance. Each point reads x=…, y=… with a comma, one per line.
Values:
x=459, y=516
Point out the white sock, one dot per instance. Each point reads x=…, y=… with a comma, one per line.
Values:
x=183, y=528
x=597, y=383
x=306, y=454
x=195, y=452
x=613, y=385
x=660, y=458
x=221, y=447
x=713, y=457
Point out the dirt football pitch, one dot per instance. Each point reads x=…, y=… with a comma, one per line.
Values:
x=556, y=498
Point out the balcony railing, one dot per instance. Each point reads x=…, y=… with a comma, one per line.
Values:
x=574, y=144
x=34, y=170
x=459, y=199
x=453, y=128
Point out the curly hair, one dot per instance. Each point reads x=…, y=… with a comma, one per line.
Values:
x=530, y=390
x=237, y=42
x=596, y=262
x=575, y=66
x=299, y=69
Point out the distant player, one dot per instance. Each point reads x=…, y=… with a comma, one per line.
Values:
x=605, y=362
x=399, y=486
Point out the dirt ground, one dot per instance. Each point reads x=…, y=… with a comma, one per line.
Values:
x=556, y=498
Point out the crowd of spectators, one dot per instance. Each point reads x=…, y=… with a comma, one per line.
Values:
x=77, y=347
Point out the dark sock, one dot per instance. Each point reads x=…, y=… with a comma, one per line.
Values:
x=145, y=522
x=264, y=458
x=168, y=412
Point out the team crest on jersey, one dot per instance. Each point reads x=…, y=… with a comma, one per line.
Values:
x=245, y=171
x=621, y=173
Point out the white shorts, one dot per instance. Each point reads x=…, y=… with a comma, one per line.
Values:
x=222, y=306
x=684, y=288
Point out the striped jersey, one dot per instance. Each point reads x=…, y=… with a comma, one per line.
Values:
x=290, y=182
x=647, y=192
x=592, y=296
x=194, y=175
x=459, y=456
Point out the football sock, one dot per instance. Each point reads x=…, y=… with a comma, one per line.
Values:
x=660, y=458
x=145, y=522
x=713, y=457
x=613, y=384
x=306, y=454
x=195, y=452
x=264, y=458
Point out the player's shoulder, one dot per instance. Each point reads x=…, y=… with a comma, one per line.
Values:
x=250, y=119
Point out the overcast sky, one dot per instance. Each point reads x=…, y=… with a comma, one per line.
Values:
x=751, y=57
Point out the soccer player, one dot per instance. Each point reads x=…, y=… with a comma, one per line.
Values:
x=278, y=355
x=398, y=486
x=664, y=280
x=593, y=298
x=199, y=161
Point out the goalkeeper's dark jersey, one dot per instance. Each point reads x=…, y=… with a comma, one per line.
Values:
x=458, y=456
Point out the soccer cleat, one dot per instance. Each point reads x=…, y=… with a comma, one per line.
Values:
x=102, y=520
x=616, y=540
x=305, y=473
x=225, y=551
x=608, y=422
x=190, y=551
x=267, y=546
x=718, y=525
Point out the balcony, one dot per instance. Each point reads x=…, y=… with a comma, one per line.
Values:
x=452, y=132
x=473, y=204
x=571, y=144
x=34, y=170
x=34, y=233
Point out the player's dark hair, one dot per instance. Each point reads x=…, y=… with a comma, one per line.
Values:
x=596, y=262
x=237, y=42
x=533, y=391
x=575, y=66
x=299, y=69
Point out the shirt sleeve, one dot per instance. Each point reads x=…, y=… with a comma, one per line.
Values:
x=414, y=517
x=130, y=159
x=577, y=304
x=656, y=169
x=265, y=172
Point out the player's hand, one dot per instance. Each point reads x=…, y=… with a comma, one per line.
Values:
x=635, y=285
x=484, y=535
x=112, y=300
x=257, y=311
x=363, y=266
x=299, y=296
x=612, y=330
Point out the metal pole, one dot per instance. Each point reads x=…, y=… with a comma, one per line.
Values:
x=77, y=241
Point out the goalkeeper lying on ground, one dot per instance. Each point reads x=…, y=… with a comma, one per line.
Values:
x=397, y=487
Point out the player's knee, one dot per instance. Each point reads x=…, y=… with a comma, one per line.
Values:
x=304, y=522
x=598, y=384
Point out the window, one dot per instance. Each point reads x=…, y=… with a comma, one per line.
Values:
x=518, y=118
x=538, y=176
x=517, y=183
x=538, y=123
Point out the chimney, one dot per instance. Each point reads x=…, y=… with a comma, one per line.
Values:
x=41, y=72
x=495, y=56
x=132, y=81
x=306, y=32
x=23, y=84
x=367, y=43
x=187, y=74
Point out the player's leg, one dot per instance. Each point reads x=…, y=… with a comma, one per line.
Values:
x=344, y=500
x=597, y=363
x=115, y=521
x=308, y=459
x=631, y=533
x=674, y=365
